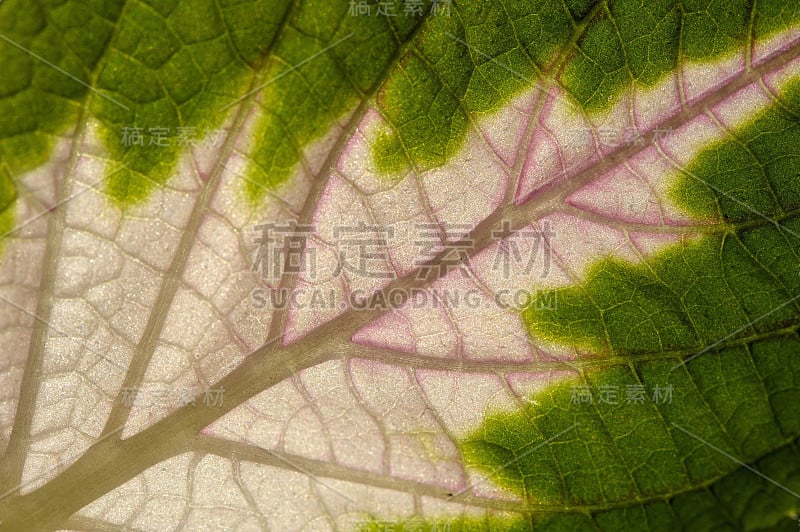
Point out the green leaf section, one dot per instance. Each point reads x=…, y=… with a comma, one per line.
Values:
x=172, y=69
x=693, y=377
x=485, y=53
x=656, y=460
x=738, y=501
x=158, y=67
x=468, y=62
x=329, y=58
x=755, y=175
x=749, y=268
x=639, y=42
x=39, y=101
x=163, y=73
x=713, y=321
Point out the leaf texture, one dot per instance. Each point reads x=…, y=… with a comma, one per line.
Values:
x=409, y=265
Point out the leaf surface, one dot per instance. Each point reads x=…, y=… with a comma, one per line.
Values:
x=399, y=265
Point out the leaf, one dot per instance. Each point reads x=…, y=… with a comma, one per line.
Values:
x=399, y=265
